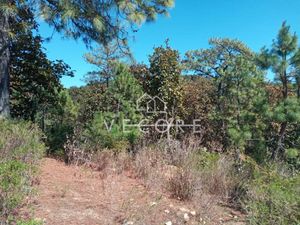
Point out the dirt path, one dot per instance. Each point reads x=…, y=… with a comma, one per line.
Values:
x=74, y=195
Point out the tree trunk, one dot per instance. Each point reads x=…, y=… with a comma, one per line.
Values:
x=283, y=126
x=280, y=141
x=4, y=63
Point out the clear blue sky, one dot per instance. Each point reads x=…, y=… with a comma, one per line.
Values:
x=191, y=24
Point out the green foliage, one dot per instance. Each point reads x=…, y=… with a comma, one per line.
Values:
x=273, y=199
x=107, y=129
x=59, y=121
x=292, y=157
x=34, y=79
x=165, y=80
x=106, y=132
x=205, y=160
x=105, y=58
x=88, y=21
x=123, y=94
x=30, y=222
x=142, y=74
x=20, y=150
x=284, y=60
x=287, y=110
x=20, y=141
x=240, y=96
x=90, y=99
x=99, y=21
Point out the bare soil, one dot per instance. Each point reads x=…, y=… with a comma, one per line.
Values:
x=74, y=195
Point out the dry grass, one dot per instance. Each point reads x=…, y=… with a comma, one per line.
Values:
x=170, y=166
x=182, y=184
x=218, y=180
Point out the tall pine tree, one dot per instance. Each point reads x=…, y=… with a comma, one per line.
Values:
x=284, y=60
x=241, y=100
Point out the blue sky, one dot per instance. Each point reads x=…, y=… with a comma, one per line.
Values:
x=191, y=24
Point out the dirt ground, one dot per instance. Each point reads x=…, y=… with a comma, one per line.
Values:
x=74, y=195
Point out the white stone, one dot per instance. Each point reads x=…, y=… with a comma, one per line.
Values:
x=168, y=223
x=184, y=210
x=167, y=211
x=193, y=213
x=153, y=204
x=186, y=217
x=129, y=223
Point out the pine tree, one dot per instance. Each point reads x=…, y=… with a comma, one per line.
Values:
x=241, y=99
x=284, y=60
x=58, y=121
x=105, y=59
x=108, y=128
x=123, y=94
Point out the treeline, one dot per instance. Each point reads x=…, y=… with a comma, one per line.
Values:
x=240, y=111
x=224, y=88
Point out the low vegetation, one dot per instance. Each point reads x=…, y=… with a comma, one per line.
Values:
x=21, y=148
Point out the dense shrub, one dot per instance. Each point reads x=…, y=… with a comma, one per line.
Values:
x=205, y=160
x=106, y=131
x=59, y=121
x=20, y=151
x=273, y=199
x=292, y=157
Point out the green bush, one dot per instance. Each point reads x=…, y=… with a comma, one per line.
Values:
x=205, y=160
x=106, y=131
x=20, y=151
x=273, y=199
x=292, y=157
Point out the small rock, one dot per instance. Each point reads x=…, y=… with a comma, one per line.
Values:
x=153, y=204
x=183, y=210
x=186, y=217
x=128, y=223
x=235, y=217
x=167, y=211
x=168, y=223
x=193, y=213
